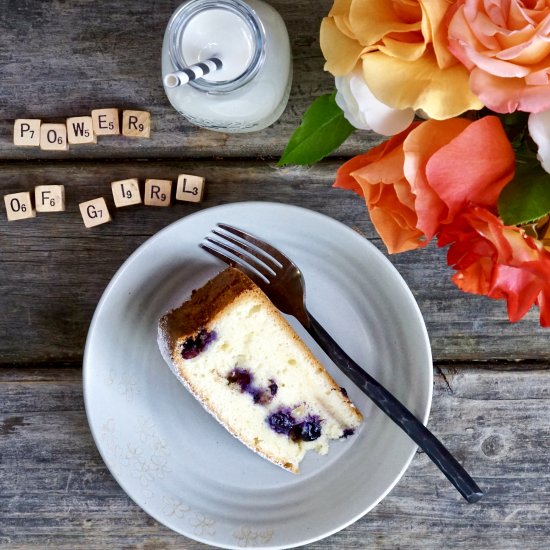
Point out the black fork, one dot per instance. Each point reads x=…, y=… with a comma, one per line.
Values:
x=282, y=281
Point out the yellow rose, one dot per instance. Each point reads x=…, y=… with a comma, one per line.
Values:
x=402, y=45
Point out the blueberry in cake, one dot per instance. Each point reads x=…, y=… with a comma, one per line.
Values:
x=240, y=358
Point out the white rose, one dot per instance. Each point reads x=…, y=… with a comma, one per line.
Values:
x=364, y=111
x=539, y=128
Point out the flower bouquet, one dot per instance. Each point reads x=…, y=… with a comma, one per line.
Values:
x=462, y=90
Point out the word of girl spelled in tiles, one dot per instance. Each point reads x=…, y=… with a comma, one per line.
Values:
x=49, y=198
x=19, y=206
x=189, y=188
x=157, y=192
x=136, y=124
x=26, y=132
x=94, y=212
x=126, y=192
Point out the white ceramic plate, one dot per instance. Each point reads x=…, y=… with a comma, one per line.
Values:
x=185, y=470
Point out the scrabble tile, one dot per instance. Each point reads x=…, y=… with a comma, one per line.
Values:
x=94, y=212
x=49, y=198
x=136, y=124
x=189, y=188
x=80, y=129
x=53, y=137
x=19, y=206
x=157, y=193
x=26, y=132
x=106, y=122
x=126, y=192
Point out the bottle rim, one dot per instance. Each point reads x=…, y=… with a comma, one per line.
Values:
x=176, y=28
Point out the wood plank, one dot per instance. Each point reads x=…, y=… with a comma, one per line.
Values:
x=54, y=270
x=56, y=65
x=55, y=491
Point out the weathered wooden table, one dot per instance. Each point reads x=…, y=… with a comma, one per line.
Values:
x=492, y=379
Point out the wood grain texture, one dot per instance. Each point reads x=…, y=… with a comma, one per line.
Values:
x=55, y=491
x=54, y=270
x=71, y=57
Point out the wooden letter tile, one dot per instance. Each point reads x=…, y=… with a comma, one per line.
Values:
x=80, y=130
x=94, y=212
x=126, y=192
x=158, y=192
x=26, y=132
x=190, y=188
x=106, y=122
x=53, y=137
x=49, y=198
x=19, y=206
x=136, y=124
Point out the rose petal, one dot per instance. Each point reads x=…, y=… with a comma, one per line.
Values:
x=539, y=129
x=441, y=93
x=363, y=110
x=498, y=261
x=506, y=95
x=373, y=19
x=340, y=51
x=419, y=146
x=479, y=180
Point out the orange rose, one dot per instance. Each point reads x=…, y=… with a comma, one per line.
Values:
x=424, y=177
x=506, y=46
x=402, y=47
x=498, y=261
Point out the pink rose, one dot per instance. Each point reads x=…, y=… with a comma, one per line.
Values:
x=506, y=47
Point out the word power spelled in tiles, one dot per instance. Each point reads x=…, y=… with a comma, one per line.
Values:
x=94, y=212
x=126, y=192
x=49, y=198
x=53, y=137
x=136, y=124
x=189, y=188
x=80, y=129
x=105, y=122
x=26, y=132
x=19, y=206
x=158, y=193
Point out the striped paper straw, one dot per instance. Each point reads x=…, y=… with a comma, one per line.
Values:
x=192, y=72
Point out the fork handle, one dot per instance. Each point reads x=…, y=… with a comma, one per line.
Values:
x=390, y=405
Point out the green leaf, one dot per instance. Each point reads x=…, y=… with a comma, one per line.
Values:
x=527, y=197
x=323, y=129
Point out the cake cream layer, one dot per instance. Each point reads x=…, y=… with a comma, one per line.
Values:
x=240, y=358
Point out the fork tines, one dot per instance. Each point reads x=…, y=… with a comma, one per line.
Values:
x=251, y=255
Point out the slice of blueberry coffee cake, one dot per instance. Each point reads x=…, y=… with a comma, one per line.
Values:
x=240, y=358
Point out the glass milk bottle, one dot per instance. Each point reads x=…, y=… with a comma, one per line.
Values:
x=244, y=50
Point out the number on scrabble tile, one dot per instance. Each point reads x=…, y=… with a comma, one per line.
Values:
x=49, y=198
x=80, y=129
x=53, y=137
x=157, y=192
x=26, y=132
x=126, y=192
x=94, y=212
x=19, y=206
x=136, y=124
x=106, y=122
x=190, y=188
